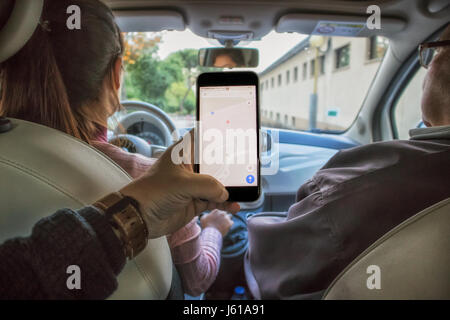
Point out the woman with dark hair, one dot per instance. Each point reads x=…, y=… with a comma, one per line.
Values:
x=70, y=80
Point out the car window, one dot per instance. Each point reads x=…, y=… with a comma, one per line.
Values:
x=338, y=73
x=408, y=113
x=161, y=68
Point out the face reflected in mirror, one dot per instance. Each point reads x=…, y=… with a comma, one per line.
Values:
x=228, y=57
x=224, y=61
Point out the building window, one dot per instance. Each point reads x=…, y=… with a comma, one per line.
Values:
x=278, y=117
x=272, y=82
x=271, y=114
x=312, y=68
x=377, y=47
x=342, y=56
x=293, y=122
x=305, y=70
x=279, y=80
x=288, y=77
x=295, y=74
x=322, y=64
x=286, y=119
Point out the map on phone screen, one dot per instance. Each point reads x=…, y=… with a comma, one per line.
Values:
x=228, y=134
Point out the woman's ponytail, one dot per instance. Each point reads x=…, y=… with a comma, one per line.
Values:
x=33, y=88
x=59, y=77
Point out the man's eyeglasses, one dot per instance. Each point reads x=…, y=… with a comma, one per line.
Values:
x=428, y=50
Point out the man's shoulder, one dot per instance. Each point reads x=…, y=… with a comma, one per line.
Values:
x=400, y=145
x=395, y=150
x=380, y=157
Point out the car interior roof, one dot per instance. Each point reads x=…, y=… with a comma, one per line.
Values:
x=420, y=18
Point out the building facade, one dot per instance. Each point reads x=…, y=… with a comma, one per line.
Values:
x=345, y=70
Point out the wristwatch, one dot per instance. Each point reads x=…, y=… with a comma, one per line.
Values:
x=124, y=215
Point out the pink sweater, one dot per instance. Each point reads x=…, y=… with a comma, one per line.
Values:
x=196, y=253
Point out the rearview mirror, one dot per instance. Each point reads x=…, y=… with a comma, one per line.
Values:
x=228, y=57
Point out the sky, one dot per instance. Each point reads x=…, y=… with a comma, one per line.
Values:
x=271, y=47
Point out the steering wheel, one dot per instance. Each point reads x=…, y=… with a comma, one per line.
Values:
x=149, y=116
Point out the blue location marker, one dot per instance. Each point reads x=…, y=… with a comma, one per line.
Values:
x=212, y=113
x=250, y=178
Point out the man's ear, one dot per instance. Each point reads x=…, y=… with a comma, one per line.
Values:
x=426, y=123
x=117, y=75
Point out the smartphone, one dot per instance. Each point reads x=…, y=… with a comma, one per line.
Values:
x=227, y=130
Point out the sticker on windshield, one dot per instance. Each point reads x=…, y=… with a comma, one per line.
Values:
x=338, y=28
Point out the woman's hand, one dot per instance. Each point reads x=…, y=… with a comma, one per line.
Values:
x=171, y=195
x=218, y=219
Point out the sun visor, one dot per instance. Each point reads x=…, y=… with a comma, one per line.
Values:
x=337, y=25
x=149, y=20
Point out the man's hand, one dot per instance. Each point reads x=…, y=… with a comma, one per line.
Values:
x=171, y=195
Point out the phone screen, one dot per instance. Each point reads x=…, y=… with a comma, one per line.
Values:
x=228, y=134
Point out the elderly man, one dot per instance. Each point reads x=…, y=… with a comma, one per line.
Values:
x=358, y=196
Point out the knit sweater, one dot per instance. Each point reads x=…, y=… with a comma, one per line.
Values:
x=39, y=266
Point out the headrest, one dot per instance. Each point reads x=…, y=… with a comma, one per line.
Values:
x=43, y=170
x=6, y=7
x=20, y=26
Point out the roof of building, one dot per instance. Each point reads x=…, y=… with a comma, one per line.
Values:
x=302, y=45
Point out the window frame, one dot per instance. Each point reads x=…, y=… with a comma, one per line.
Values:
x=305, y=71
x=322, y=64
x=312, y=67
x=337, y=59
x=369, y=50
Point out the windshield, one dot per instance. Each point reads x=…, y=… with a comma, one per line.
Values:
x=308, y=83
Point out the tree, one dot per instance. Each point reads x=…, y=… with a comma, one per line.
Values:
x=150, y=78
x=176, y=95
x=166, y=83
x=137, y=44
x=190, y=68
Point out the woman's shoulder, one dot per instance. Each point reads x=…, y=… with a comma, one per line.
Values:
x=134, y=164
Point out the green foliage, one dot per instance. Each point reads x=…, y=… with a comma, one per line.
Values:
x=166, y=83
x=176, y=95
x=149, y=78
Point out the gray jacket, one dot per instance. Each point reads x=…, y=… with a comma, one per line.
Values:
x=358, y=196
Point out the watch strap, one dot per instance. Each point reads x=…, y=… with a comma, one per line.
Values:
x=124, y=216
